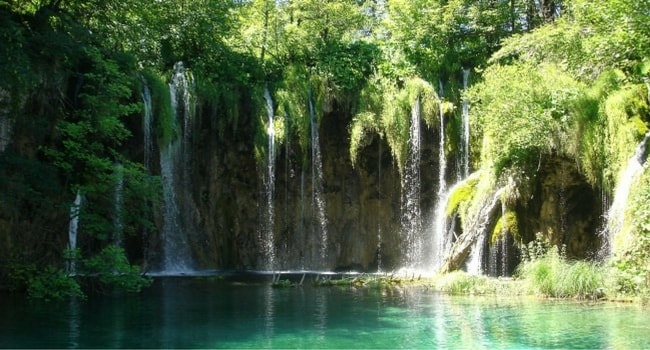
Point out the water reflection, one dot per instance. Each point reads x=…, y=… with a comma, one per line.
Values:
x=74, y=326
x=269, y=315
x=205, y=313
x=320, y=313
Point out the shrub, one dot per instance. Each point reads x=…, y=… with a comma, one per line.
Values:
x=113, y=270
x=53, y=284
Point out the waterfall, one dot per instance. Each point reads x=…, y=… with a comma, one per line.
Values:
x=379, y=194
x=504, y=241
x=118, y=202
x=73, y=229
x=148, y=148
x=442, y=241
x=5, y=130
x=627, y=178
x=498, y=263
x=563, y=200
x=478, y=228
x=303, y=226
x=317, y=180
x=176, y=251
x=464, y=149
x=442, y=159
x=269, y=184
x=411, y=216
x=147, y=124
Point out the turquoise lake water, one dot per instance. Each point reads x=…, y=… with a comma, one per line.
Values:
x=210, y=313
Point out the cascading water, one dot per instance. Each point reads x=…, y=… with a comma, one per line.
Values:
x=303, y=226
x=441, y=235
x=442, y=159
x=616, y=213
x=176, y=251
x=317, y=181
x=73, y=228
x=148, y=147
x=411, y=216
x=478, y=229
x=562, y=202
x=147, y=125
x=378, y=221
x=269, y=184
x=441, y=240
x=118, y=202
x=498, y=263
x=504, y=242
x=5, y=130
x=464, y=147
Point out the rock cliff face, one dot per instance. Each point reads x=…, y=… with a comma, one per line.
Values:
x=555, y=201
x=224, y=208
x=226, y=204
x=564, y=208
x=362, y=204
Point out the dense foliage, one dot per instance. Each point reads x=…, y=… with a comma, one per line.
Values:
x=553, y=78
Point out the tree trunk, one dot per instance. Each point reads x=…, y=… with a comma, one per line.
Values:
x=479, y=225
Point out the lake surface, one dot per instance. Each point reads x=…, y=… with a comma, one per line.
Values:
x=214, y=313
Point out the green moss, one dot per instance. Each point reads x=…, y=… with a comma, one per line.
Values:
x=462, y=192
x=224, y=101
x=420, y=90
x=161, y=108
x=386, y=110
x=299, y=90
x=631, y=246
x=639, y=125
x=363, y=127
x=507, y=224
x=625, y=111
x=589, y=146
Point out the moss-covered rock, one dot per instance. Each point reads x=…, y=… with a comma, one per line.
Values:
x=507, y=224
x=462, y=192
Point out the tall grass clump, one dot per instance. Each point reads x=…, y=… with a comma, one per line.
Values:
x=546, y=270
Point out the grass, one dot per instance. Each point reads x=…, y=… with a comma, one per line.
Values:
x=551, y=274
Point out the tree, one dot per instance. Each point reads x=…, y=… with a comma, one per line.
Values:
x=439, y=37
